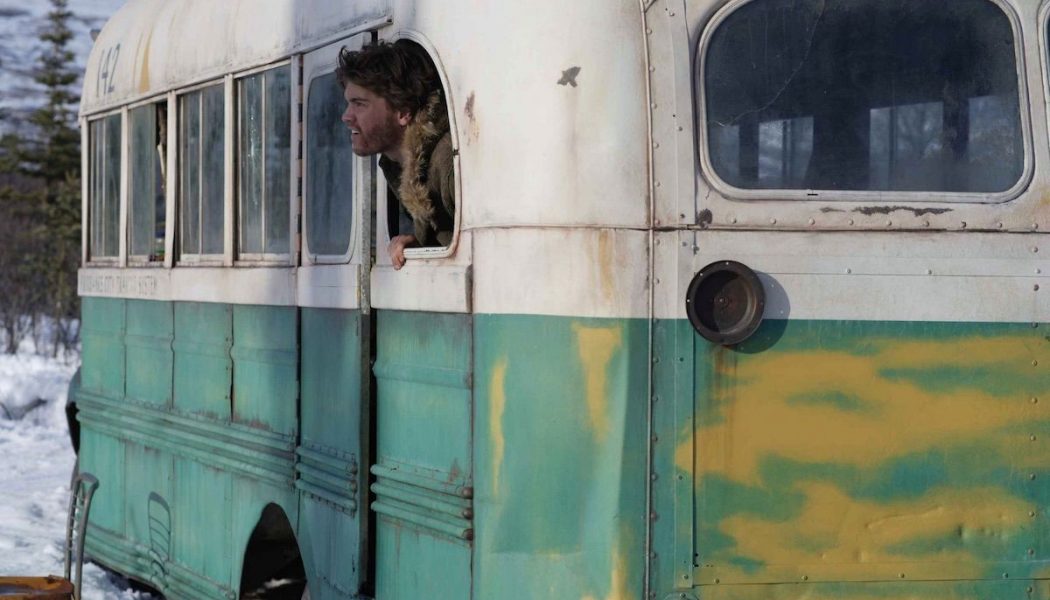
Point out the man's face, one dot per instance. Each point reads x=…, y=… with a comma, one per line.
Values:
x=375, y=127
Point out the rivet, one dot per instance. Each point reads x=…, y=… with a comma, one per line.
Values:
x=649, y=30
x=657, y=281
x=1032, y=438
x=772, y=221
x=812, y=222
x=1031, y=513
x=1031, y=477
x=1035, y=287
x=1035, y=400
x=805, y=578
x=686, y=576
x=929, y=271
x=732, y=220
x=901, y=575
x=657, y=221
x=681, y=215
x=656, y=144
x=652, y=554
x=848, y=270
x=1035, y=248
x=653, y=105
x=963, y=225
x=656, y=398
x=889, y=223
x=1035, y=225
x=717, y=580
x=1006, y=575
x=652, y=69
x=680, y=128
x=1000, y=225
x=672, y=13
x=1035, y=363
x=851, y=221
x=653, y=477
x=656, y=439
x=656, y=359
x=1035, y=325
x=1038, y=271
x=684, y=244
x=652, y=516
x=657, y=184
x=1031, y=552
x=925, y=223
x=1029, y=589
x=680, y=478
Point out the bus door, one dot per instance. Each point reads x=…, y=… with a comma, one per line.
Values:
x=423, y=468
x=333, y=454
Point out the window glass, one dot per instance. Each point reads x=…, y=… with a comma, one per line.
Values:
x=146, y=157
x=104, y=209
x=329, y=179
x=861, y=95
x=201, y=163
x=264, y=163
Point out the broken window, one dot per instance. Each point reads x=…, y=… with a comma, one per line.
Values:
x=104, y=209
x=859, y=95
x=146, y=156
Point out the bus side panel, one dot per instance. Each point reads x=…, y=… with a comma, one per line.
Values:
x=202, y=528
x=331, y=481
x=150, y=331
x=102, y=449
x=203, y=368
x=561, y=456
x=842, y=453
x=424, y=466
x=265, y=371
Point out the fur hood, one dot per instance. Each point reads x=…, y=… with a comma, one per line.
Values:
x=422, y=135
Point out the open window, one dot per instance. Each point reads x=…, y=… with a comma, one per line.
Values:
x=202, y=158
x=264, y=151
x=104, y=139
x=147, y=160
x=847, y=96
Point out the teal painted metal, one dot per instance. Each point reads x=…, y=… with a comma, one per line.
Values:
x=845, y=460
x=423, y=369
x=185, y=472
x=331, y=481
x=560, y=457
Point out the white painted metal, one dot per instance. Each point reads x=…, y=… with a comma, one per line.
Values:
x=272, y=286
x=1019, y=210
x=171, y=179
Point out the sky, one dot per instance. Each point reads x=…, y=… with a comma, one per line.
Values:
x=20, y=23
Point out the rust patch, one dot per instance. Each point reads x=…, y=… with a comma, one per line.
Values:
x=498, y=400
x=705, y=218
x=473, y=129
x=596, y=346
x=885, y=210
x=606, y=247
x=144, y=75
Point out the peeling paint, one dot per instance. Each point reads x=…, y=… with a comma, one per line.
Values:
x=885, y=210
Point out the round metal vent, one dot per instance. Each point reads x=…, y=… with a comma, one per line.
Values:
x=725, y=302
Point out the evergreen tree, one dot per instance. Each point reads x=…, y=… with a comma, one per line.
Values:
x=56, y=151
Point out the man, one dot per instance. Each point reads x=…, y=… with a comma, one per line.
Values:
x=395, y=108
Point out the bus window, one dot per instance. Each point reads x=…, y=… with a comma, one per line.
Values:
x=859, y=95
x=146, y=161
x=104, y=209
x=329, y=177
x=202, y=159
x=264, y=163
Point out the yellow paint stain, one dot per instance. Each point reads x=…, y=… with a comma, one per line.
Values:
x=761, y=415
x=596, y=346
x=851, y=532
x=144, y=76
x=498, y=402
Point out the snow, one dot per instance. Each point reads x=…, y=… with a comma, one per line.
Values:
x=36, y=461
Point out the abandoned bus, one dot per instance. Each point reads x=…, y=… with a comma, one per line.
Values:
x=743, y=301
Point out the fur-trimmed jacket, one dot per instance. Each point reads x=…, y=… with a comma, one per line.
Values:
x=425, y=186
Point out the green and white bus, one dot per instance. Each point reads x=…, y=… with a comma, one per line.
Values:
x=743, y=302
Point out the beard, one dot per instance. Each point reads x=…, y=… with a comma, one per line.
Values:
x=384, y=137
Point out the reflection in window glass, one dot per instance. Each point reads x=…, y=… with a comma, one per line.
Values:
x=201, y=163
x=264, y=164
x=864, y=95
x=146, y=160
x=104, y=208
x=329, y=179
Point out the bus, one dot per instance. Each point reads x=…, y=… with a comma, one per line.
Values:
x=743, y=302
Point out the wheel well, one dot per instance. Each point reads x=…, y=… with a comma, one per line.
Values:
x=273, y=564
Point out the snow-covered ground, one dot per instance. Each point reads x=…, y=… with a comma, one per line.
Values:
x=36, y=460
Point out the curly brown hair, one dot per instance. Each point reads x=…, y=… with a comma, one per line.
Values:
x=401, y=72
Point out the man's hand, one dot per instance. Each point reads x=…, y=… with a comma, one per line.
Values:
x=397, y=249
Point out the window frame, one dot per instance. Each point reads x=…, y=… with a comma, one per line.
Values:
x=707, y=171
x=265, y=258
x=139, y=260
x=360, y=191
x=90, y=259
x=200, y=259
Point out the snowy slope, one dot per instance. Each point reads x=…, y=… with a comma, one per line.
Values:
x=20, y=23
x=35, y=464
